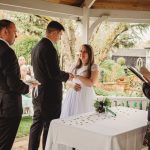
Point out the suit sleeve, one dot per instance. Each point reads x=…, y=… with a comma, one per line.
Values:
x=51, y=63
x=12, y=74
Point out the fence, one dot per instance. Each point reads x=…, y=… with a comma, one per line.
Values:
x=135, y=102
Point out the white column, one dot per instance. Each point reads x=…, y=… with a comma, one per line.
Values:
x=85, y=25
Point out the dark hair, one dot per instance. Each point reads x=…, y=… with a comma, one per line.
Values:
x=5, y=23
x=90, y=62
x=53, y=26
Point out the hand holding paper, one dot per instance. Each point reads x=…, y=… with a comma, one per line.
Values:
x=144, y=71
x=138, y=74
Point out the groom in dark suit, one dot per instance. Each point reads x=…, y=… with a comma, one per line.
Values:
x=47, y=105
x=11, y=87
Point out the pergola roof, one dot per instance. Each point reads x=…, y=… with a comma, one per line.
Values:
x=116, y=10
x=139, y=5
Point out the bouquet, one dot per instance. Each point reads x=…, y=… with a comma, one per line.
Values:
x=103, y=106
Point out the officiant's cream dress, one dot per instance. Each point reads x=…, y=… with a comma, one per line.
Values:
x=77, y=102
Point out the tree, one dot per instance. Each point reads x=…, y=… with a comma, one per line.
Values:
x=24, y=45
x=29, y=24
x=109, y=35
x=130, y=37
x=104, y=38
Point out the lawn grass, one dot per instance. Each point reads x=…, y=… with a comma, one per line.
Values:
x=24, y=126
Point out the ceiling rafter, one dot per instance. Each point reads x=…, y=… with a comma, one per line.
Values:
x=89, y=3
x=140, y=5
x=122, y=15
x=55, y=9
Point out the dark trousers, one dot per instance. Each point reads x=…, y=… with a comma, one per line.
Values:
x=8, y=130
x=38, y=125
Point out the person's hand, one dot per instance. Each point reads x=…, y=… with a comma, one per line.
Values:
x=34, y=85
x=76, y=76
x=145, y=73
x=77, y=87
x=71, y=76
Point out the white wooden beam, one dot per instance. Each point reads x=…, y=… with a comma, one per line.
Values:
x=98, y=21
x=122, y=15
x=37, y=12
x=89, y=3
x=129, y=20
x=41, y=7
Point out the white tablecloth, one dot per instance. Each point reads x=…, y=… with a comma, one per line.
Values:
x=93, y=131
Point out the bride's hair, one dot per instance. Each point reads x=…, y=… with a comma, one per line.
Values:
x=90, y=62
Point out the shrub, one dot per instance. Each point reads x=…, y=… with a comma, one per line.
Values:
x=111, y=71
x=121, y=61
x=24, y=45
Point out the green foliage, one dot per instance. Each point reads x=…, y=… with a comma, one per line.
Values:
x=102, y=92
x=30, y=24
x=109, y=64
x=121, y=61
x=107, y=102
x=125, y=40
x=24, y=46
x=130, y=73
x=120, y=72
x=111, y=70
x=24, y=126
x=139, y=28
x=96, y=104
x=101, y=105
x=131, y=36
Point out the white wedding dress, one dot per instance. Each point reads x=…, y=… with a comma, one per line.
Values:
x=77, y=102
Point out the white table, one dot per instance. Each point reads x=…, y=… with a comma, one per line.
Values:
x=93, y=131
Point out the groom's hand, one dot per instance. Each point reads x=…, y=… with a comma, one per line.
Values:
x=71, y=76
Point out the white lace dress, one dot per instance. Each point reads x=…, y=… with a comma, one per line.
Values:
x=77, y=102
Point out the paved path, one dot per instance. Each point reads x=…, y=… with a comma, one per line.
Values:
x=22, y=144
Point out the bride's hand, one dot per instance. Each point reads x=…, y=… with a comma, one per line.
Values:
x=76, y=76
x=77, y=87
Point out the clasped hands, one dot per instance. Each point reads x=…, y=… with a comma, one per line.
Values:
x=71, y=76
x=75, y=86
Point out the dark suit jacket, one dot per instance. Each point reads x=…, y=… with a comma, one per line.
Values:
x=11, y=87
x=47, y=71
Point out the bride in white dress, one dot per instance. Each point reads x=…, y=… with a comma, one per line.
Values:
x=80, y=96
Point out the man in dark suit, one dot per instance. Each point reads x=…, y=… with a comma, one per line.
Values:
x=11, y=87
x=47, y=105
